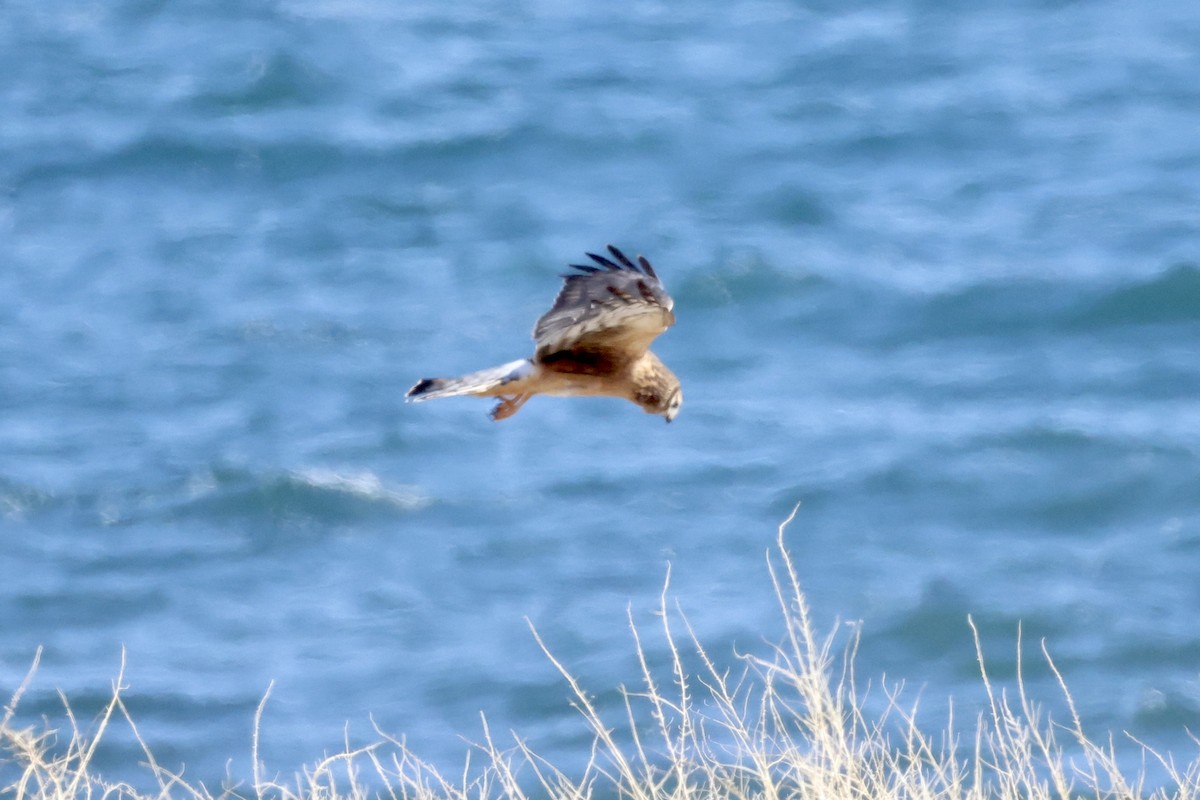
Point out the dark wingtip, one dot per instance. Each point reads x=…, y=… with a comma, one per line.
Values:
x=421, y=387
x=623, y=262
x=649, y=270
x=604, y=262
x=619, y=256
x=583, y=268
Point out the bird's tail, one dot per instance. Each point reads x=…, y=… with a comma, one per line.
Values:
x=484, y=382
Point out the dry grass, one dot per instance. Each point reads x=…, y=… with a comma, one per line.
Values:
x=788, y=726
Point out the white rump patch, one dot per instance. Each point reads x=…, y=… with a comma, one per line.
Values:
x=515, y=370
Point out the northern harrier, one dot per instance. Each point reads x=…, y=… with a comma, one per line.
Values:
x=594, y=341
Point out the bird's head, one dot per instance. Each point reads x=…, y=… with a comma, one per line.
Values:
x=662, y=400
x=674, y=403
x=656, y=388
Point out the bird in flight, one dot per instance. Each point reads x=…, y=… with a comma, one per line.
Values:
x=594, y=341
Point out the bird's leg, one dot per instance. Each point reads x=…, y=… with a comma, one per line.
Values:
x=508, y=406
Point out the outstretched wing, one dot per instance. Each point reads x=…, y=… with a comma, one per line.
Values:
x=611, y=312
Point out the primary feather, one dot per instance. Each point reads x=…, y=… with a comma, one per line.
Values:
x=617, y=307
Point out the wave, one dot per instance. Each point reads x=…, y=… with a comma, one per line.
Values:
x=857, y=311
x=873, y=314
x=364, y=485
x=1172, y=296
x=18, y=502
x=317, y=494
x=277, y=80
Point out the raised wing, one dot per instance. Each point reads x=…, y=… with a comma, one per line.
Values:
x=614, y=309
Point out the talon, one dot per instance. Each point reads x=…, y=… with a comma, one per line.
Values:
x=507, y=407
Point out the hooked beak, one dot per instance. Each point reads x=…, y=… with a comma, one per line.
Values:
x=673, y=406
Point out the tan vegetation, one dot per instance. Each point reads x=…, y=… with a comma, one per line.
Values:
x=792, y=725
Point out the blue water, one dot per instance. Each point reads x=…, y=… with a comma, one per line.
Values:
x=937, y=276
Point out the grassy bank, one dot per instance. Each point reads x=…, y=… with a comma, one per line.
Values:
x=790, y=725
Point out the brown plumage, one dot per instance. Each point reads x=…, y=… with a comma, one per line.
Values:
x=595, y=340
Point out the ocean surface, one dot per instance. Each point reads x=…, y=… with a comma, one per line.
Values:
x=936, y=269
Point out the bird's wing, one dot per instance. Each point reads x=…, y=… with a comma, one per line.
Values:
x=613, y=310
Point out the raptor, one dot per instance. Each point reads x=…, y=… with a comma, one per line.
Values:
x=594, y=341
